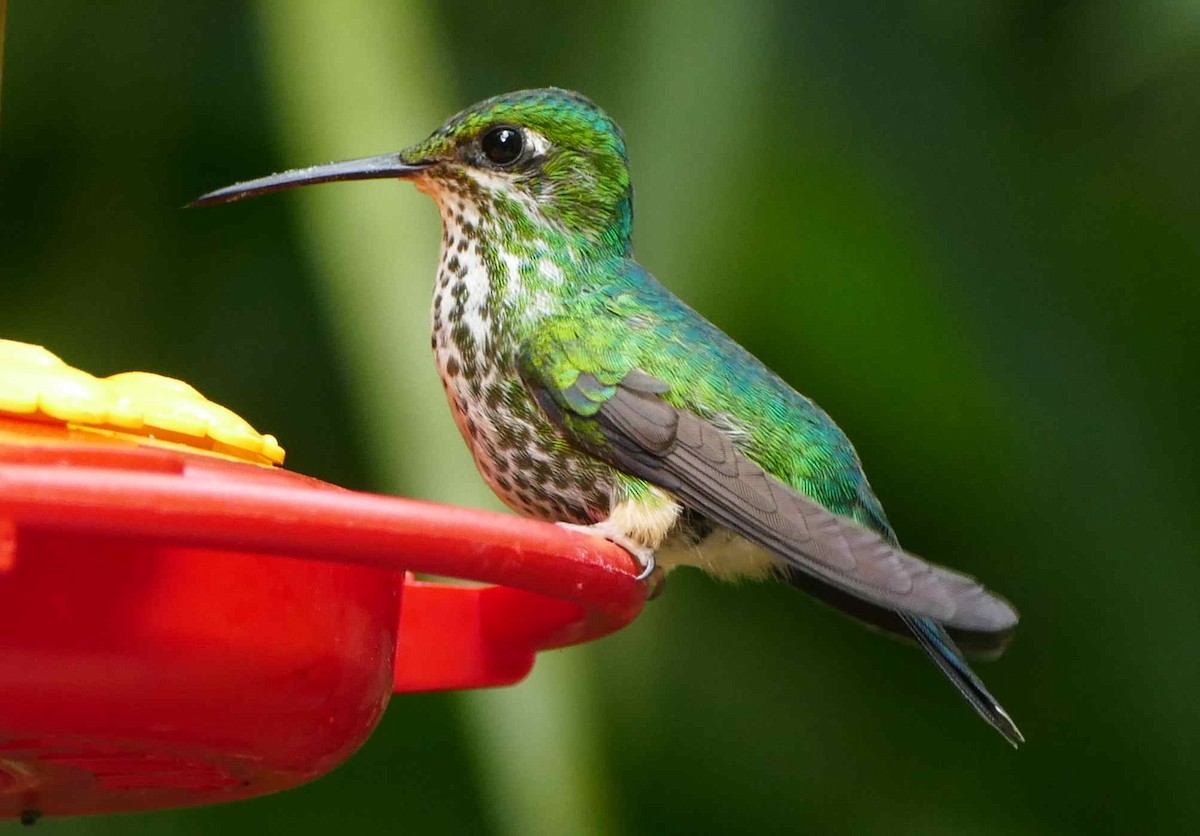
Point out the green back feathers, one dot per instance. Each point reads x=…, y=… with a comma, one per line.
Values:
x=620, y=319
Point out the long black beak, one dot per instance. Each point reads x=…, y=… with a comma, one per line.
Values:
x=370, y=168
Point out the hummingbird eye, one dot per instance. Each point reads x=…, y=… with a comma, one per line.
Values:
x=502, y=145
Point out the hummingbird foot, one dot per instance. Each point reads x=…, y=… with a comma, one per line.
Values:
x=614, y=534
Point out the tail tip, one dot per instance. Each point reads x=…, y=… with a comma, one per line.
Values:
x=1004, y=724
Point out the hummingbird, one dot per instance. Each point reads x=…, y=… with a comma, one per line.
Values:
x=593, y=397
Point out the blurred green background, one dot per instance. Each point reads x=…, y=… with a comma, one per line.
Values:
x=970, y=230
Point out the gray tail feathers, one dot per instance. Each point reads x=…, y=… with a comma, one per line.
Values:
x=973, y=644
x=940, y=647
x=934, y=640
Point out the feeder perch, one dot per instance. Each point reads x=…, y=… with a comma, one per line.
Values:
x=184, y=622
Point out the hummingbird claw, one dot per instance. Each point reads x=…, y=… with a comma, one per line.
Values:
x=647, y=561
x=653, y=576
x=643, y=555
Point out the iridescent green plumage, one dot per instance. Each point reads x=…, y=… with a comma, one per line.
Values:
x=619, y=318
x=591, y=395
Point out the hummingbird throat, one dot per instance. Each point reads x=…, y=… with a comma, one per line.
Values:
x=503, y=267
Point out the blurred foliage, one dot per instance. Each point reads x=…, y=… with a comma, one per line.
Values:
x=970, y=230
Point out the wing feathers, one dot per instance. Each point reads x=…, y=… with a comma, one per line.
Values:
x=678, y=450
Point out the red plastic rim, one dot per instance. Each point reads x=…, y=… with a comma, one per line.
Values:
x=182, y=628
x=99, y=487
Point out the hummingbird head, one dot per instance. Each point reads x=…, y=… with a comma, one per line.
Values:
x=532, y=158
x=522, y=162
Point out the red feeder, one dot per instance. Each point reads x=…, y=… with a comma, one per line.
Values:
x=183, y=626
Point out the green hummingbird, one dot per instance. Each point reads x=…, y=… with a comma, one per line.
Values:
x=591, y=396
